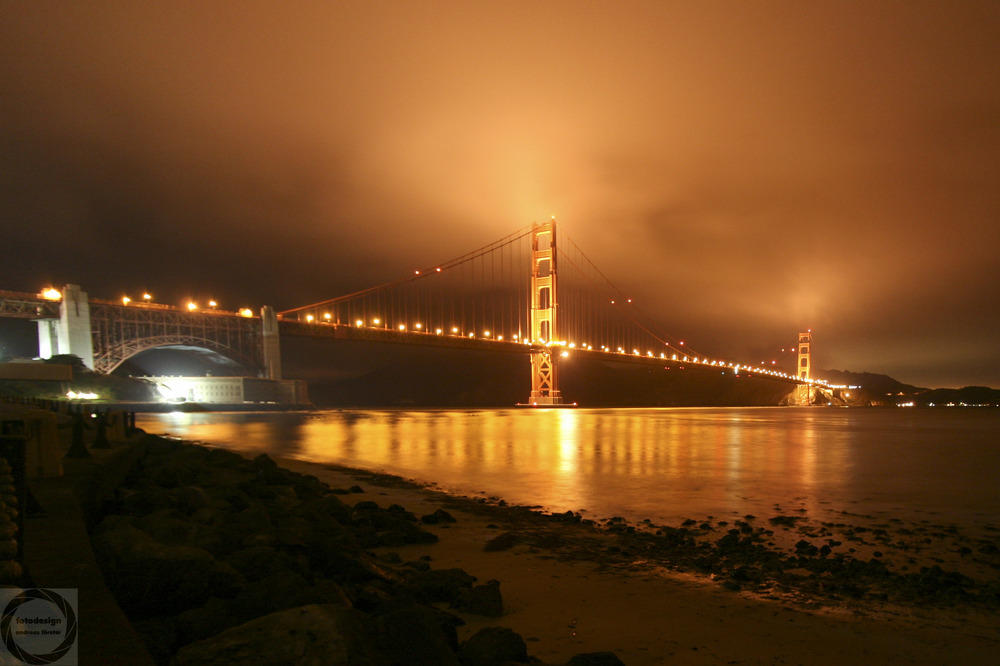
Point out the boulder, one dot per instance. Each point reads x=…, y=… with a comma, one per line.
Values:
x=199, y=623
x=314, y=635
x=484, y=600
x=281, y=590
x=258, y=562
x=493, y=646
x=439, y=517
x=416, y=636
x=151, y=578
x=441, y=584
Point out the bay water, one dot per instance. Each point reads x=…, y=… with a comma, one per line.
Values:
x=665, y=465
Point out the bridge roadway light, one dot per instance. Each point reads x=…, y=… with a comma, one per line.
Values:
x=327, y=316
x=212, y=304
x=359, y=323
x=147, y=297
x=126, y=300
x=309, y=318
x=402, y=327
x=376, y=321
x=246, y=312
x=438, y=331
x=192, y=306
x=454, y=330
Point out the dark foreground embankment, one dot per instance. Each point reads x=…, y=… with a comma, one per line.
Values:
x=219, y=559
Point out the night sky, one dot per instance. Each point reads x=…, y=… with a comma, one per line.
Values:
x=746, y=170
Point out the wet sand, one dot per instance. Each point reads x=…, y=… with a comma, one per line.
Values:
x=570, y=587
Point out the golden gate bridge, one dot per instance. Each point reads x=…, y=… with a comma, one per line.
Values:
x=563, y=305
x=533, y=292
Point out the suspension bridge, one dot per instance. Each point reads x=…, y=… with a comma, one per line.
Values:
x=532, y=293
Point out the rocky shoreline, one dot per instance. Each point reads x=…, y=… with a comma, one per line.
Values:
x=218, y=558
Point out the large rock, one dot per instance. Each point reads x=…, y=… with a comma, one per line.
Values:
x=198, y=623
x=482, y=600
x=281, y=590
x=418, y=636
x=441, y=584
x=316, y=635
x=151, y=578
x=494, y=646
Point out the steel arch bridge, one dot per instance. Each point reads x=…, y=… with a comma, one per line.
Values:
x=120, y=332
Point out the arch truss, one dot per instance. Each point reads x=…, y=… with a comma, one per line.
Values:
x=120, y=332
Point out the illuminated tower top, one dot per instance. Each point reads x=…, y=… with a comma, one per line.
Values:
x=805, y=362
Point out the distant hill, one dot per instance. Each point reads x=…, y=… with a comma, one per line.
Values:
x=885, y=387
x=882, y=384
x=969, y=395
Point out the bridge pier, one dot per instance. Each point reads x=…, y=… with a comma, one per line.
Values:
x=270, y=343
x=71, y=333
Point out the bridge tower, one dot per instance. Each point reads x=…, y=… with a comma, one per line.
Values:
x=544, y=307
x=805, y=358
x=71, y=333
x=803, y=392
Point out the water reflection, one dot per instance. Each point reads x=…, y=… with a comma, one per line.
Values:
x=662, y=464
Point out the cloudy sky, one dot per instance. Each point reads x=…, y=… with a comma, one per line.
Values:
x=746, y=169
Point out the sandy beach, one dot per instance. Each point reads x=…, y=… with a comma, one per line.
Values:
x=568, y=588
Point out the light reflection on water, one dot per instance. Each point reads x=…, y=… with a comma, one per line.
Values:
x=662, y=464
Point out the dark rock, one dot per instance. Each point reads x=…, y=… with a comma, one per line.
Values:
x=263, y=462
x=595, y=659
x=416, y=636
x=189, y=499
x=164, y=527
x=493, y=646
x=484, y=600
x=145, y=501
x=151, y=578
x=400, y=511
x=355, y=489
x=437, y=518
x=160, y=638
x=330, y=592
x=503, y=541
x=258, y=562
x=441, y=584
x=315, y=635
x=198, y=623
x=391, y=528
x=284, y=589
